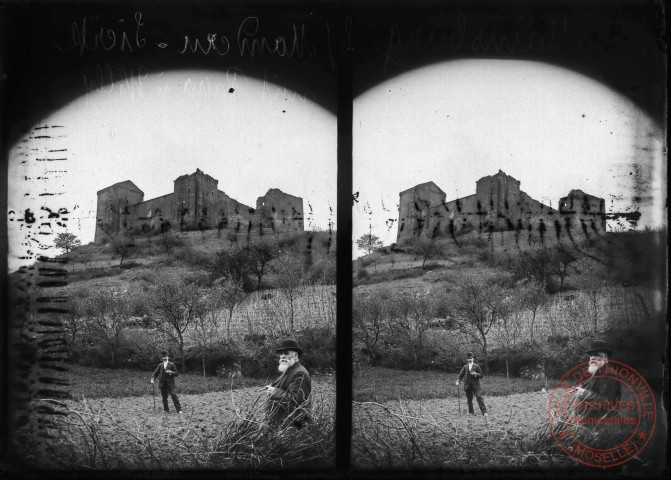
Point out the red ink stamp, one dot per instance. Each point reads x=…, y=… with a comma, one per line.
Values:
x=602, y=414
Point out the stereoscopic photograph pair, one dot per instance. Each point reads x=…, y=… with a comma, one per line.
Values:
x=339, y=238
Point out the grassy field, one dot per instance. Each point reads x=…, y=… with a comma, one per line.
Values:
x=112, y=422
x=108, y=383
x=383, y=384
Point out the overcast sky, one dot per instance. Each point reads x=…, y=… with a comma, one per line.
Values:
x=248, y=134
x=551, y=128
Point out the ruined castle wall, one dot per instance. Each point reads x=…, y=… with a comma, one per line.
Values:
x=280, y=211
x=499, y=205
x=232, y=214
x=153, y=214
x=196, y=203
x=111, y=209
x=585, y=210
x=415, y=208
x=453, y=216
x=578, y=201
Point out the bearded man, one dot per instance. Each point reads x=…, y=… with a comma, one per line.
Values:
x=599, y=387
x=289, y=396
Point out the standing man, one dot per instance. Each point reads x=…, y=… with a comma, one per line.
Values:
x=166, y=373
x=289, y=396
x=472, y=372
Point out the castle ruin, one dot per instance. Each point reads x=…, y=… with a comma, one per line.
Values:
x=195, y=204
x=497, y=205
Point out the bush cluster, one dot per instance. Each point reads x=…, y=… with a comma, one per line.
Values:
x=257, y=357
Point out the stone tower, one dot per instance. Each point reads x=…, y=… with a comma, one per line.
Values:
x=414, y=205
x=498, y=197
x=112, y=214
x=196, y=197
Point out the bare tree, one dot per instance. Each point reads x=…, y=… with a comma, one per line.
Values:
x=478, y=305
x=591, y=282
x=370, y=320
x=107, y=311
x=178, y=302
x=75, y=320
x=560, y=261
x=425, y=246
x=207, y=324
x=510, y=323
x=261, y=253
x=122, y=245
x=532, y=296
x=291, y=275
x=229, y=293
x=207, y=320
x=412, y=314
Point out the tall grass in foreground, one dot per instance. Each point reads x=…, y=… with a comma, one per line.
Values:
x=400, y=437
x=90, y=437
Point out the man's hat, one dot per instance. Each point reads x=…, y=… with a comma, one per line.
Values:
x=165, y=353
x=599, y=346
x=289, y=344
x=469, y=355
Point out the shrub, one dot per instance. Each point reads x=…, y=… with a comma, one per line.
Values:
x=170, y=241
x=192, y=257
x=214, y=354
x=367, y=261
x=362, y=273
x=325, y=271
x=397, y=248
x=318, y=344
x=290, y=241
x=398, y=357
x=96, y=272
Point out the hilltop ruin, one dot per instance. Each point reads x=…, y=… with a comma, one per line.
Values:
x=497, y=205
x=195, y=204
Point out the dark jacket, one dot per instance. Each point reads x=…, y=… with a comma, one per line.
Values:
x=601, y=388
x=163, y=377
x=290, y=403
x=471, y=381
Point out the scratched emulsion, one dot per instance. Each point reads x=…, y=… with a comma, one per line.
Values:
x=38, y=349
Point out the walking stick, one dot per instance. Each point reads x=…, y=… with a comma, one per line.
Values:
x=459, y=399
x=153, y=390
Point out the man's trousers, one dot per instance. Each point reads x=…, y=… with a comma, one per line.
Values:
x=170, y=389
x=470, y=391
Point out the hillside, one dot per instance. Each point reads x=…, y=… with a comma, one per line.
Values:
x=213, y=300
x=181, y=253
x=519, y=304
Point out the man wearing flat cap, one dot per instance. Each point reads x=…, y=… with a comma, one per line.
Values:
x=289, y=396
x=599, y=387
x=471, y=373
